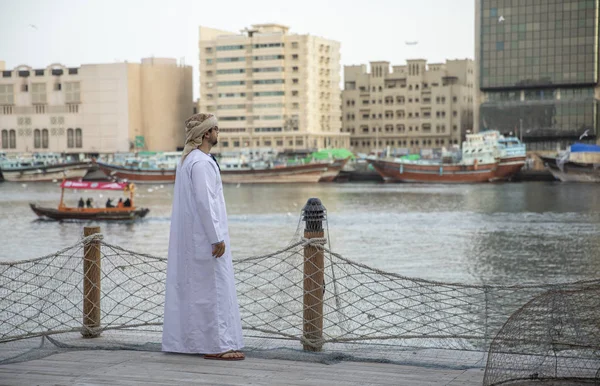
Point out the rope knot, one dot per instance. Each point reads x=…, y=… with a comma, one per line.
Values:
x=316, y=240
x=91, y=238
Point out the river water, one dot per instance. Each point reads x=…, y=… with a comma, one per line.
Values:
x=484, y=233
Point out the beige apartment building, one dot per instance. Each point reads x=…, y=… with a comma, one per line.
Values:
x=270, y=88
x=95, y=108
x=410, y=108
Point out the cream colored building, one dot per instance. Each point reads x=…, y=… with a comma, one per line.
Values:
x=412, y=107
x=270, y=88
x=95, y=108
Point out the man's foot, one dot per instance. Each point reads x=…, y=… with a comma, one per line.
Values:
x=231, y=355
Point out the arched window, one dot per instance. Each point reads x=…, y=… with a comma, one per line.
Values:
x=45, y=139
x=70, y=138
x=78, y=138
x=12, y=134
x=5, y=139
x=37, y=139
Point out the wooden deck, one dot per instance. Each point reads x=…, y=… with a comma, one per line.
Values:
x=155, y=368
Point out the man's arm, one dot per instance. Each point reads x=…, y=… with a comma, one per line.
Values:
x=204, y=179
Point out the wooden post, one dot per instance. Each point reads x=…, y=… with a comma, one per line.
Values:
x=91, y=285
x=314, y=214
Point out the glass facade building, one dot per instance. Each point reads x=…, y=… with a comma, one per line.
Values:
x=538, y=67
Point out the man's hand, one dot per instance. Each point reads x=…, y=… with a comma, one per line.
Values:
x=218, y=249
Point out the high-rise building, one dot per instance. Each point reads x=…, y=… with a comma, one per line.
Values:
x=537, y=64
x=95, y=108
x=413, y=107
x=270, y=88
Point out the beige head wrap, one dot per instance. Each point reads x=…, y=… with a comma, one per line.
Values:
x=195, y=128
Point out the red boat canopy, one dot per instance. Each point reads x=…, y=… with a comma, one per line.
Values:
x=68, y=184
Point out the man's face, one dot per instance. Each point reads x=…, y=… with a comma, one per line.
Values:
x=214, y=136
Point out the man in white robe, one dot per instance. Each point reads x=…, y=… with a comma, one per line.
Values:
x=201, y=309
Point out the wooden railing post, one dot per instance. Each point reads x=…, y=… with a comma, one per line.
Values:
x=91, y=285
x=314, y=214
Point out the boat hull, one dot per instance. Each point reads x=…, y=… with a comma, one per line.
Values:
x=309, y=173
x=508, y=167
x=333, y=170
x=434, y=173
x=47, y=173
x=99, y=214
x=572, y=171
x=138, y=176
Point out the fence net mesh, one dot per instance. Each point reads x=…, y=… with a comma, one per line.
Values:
x=302, y=302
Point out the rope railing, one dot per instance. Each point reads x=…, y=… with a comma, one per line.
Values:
x=303, y=294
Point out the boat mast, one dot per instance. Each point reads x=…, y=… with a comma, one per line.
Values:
x=62, y=196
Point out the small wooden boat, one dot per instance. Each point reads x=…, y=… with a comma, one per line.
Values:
x=125, y=213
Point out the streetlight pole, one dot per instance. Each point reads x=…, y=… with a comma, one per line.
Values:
x=521, y=128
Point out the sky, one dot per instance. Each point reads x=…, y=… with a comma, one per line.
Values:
x=74, y=32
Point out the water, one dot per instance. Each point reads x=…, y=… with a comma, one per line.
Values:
x=485, y=233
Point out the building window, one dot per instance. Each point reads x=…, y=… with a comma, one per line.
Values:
x=78, y=138
x=37, y=139
x=268, y=45
x=6, y=94
x=70, y=138
x=12, y=139
x=231, y=83
x=294, y=44
x=295, y=56
x=45, y=139
x=57, y=87
x=228, y=71
x=268, y=57
x=73, y=108
x=268, y=69
x=226, y=48
x=5, y=139
x=72, y=92
x=24, y=88
x=73, y=71
x=7, y=110
x=269, y=93
x=269, y=81
x=499, y=46
x=40, y=109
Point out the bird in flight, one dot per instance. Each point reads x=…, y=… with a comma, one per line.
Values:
x=585, y=134
x=33, y=26
x=500, y=19
x=411, y=43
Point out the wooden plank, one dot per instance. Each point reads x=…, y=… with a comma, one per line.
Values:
x=126, y=368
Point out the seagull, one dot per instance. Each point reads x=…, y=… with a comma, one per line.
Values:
x=411, y=43
x=585, y=134
x=501, y=19
x=33, y=26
